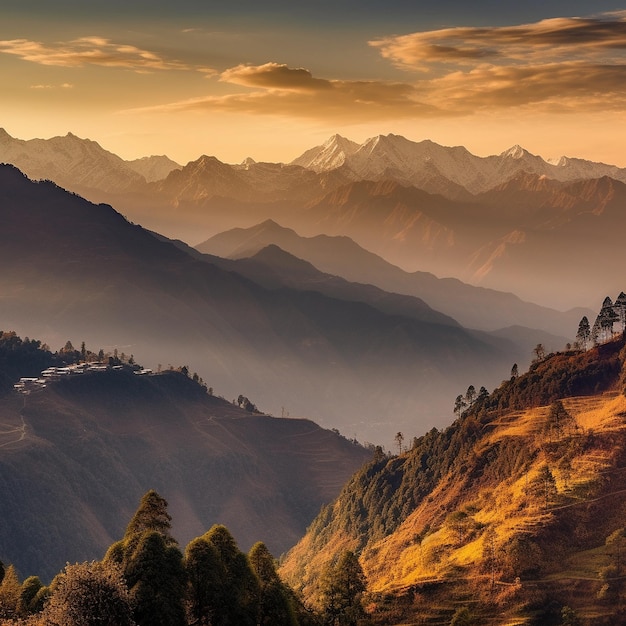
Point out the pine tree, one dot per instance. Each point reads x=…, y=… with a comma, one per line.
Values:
x=620, y=309
x=606, y=319
x=342, y=588
x=29, y=594
x=204, y=579
x=470, y=395
x=152, y=564
x=156, y=579
x=584, y=332
x=236, y=596
x=274, y=602
x=10, y=589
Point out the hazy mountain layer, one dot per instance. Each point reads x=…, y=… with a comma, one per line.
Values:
x=501, y=221
x=473, y=307
x=80, y=271
x=76, y=457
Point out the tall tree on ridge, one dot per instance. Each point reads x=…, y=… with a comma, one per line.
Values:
x=620, y=308
x=584, y=332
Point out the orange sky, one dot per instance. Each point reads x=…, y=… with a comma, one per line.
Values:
x=270, y=85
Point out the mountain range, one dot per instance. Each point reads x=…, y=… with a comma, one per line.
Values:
x=450, y=171
x=472, y=307
x=493, y=221
x=79, y=271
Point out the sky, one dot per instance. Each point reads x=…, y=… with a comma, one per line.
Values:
x=269, y=80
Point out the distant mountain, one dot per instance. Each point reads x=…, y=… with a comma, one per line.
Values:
x=274, y=268
x=153, y=168
x=440, y=169
x=473, y=307
x=493, y=240
x=422, y=206
x=93, y=444
x=511, y=513
x=81, y=271
x=80, y=165
x=565, y=239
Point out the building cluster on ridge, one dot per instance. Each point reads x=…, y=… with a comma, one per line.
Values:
x=26, y=384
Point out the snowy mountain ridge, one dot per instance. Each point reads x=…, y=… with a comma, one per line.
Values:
x=77, y=163
x=426, y=164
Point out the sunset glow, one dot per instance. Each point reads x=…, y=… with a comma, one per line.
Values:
x=270, y=82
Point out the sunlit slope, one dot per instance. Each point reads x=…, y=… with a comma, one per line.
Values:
x=508, y=511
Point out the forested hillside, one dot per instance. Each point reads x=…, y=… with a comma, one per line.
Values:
x=512, y=514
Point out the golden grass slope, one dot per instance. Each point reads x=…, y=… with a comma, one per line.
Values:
x=431, y=544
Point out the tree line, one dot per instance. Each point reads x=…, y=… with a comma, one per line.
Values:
x=145, y=579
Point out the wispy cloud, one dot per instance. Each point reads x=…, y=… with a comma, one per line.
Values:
x=91, y=51
x=556, y=65
x=564, y=64
x=596, y=38
x=280, y=90
x=62, y=86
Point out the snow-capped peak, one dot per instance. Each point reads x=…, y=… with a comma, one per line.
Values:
x=515, y=152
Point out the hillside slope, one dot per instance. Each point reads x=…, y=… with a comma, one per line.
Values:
x=76, y=456
x=514, y=511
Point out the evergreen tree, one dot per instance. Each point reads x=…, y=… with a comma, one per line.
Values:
x=470, y=395
x=342, y=588
x=156, y=580
x=152, y=564
x=559, y=418
x=274, y=602
x=235, y=601
x=620, y=309
x=29, y=595
x=514, y=371
x=10, y=589
x=544, y=486
x=584, y=332
x=606, y=319
x=459, y=405
x=399, y=440
x=540, y=353
x=204, y=580
x=151, y=515
x=483, y=394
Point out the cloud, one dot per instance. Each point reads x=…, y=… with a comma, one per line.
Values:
x=280, y=90
x=569, y=38
x=561, y=64
x=563, y=87
x=275, y=76
x=557, y=65
x=62, y=86
x=91, y=51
